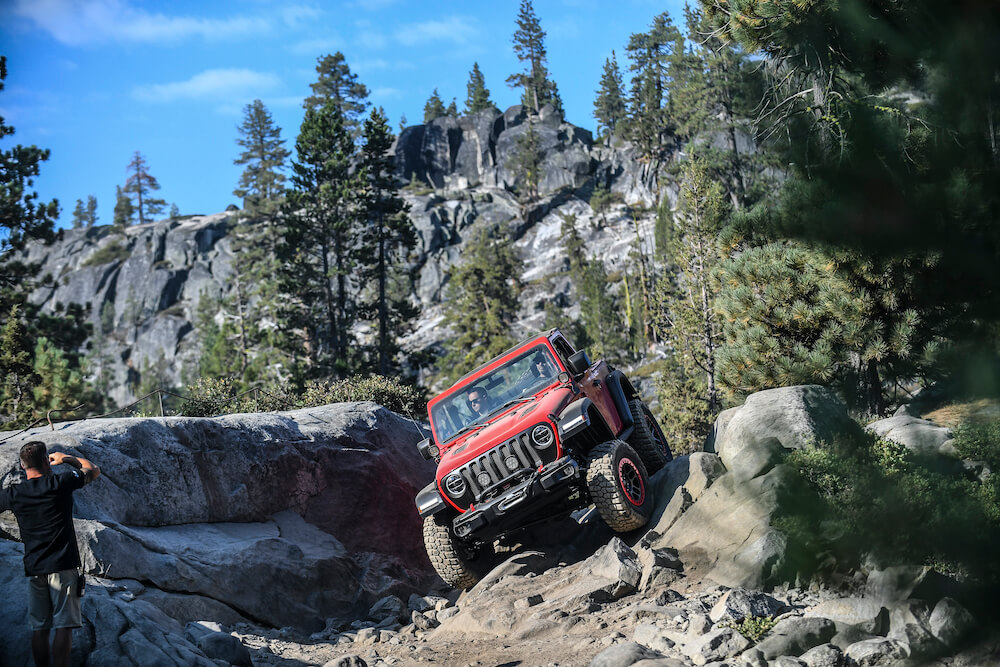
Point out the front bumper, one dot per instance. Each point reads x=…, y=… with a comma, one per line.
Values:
x=536, y=497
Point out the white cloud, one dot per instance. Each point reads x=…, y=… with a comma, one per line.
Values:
x=210, y=84
x=80, y=22
x=317, y=47
x=386, y=93
x=380, y=64
x=455, y=29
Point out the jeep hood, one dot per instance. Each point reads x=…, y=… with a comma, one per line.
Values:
x=505, y=426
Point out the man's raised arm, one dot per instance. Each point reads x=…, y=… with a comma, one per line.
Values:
x=90, y=471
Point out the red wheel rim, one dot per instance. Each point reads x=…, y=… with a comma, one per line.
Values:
x=630, y=480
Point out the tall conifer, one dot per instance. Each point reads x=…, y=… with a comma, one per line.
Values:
x=478, y=98
x=529, y=46
x=317, y=246
x=387, y=237
x=434, y=107
x=609, y=107
x=336, y=84
x=141, y=184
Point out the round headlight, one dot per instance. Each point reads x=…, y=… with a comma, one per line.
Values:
x=512, y=463
x=454, y=485
x=483, y=479
x=542, y=436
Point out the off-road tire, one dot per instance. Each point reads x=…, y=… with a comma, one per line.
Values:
x=460, y=566
x=619, y=486
x=647, y=438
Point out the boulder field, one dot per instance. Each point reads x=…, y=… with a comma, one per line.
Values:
x=291, y=539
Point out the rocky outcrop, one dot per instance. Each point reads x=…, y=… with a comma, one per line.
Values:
x=284, y=519
x=687, y=589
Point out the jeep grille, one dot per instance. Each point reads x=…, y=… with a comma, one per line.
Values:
x=493, y=465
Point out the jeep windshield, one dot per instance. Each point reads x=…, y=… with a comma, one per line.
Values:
x=481, y=397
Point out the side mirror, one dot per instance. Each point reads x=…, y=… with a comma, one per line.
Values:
x=427, y=449
x=579, y=362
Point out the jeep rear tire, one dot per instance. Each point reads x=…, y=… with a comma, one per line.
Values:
x=647, y=438
x=459, y=565
x=619, y=486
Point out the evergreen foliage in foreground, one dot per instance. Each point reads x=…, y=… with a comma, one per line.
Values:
x=856, y=488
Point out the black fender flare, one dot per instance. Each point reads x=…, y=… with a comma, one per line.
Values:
x=621, y=391
x=429, y=500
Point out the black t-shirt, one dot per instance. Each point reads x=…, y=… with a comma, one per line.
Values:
x=43, y=507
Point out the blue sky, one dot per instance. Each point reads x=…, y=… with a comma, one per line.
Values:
x=96, y=80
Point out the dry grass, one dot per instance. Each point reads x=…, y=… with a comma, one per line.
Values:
x=978, y=411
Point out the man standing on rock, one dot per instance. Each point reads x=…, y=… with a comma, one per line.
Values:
x=43, y=506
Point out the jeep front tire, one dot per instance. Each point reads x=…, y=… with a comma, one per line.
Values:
x=647, y=437
x=459, y=565
x=619, y=486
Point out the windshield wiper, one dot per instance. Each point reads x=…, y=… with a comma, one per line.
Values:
x=467, y=427
x=513, y=401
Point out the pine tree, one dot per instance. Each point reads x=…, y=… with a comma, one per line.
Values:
x=478, y=98
x=482, y=302
x=24, y=219
x=686, y=307
x=526, y=163
x=123, y=211
x=16, y=369
x=387, y=237
x=59, y=386
x=884, y=126
x=434, y=107
x=600, y=311
x=653, y=55
x=175, y=211
x=609, y=107
x=316, y=251
x=79, y=214
x=452, y=110
x=338, y=85
x=529, y=46
x=264, y=157
x=140, y=184
x=91, y=215
x=787, y=317
x=402, y=123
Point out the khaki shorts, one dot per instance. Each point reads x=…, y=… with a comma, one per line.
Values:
x=53, y=601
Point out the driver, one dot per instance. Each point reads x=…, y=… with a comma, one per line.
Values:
x=477, y=399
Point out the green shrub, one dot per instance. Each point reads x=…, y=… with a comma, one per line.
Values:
x=875, y=496
x=388, y=392
x=602, y=198
x=113, y=252
x=752, y=627
x=209, y=397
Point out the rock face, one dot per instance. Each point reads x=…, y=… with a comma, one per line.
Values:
x=144, y=286
x=284, y=519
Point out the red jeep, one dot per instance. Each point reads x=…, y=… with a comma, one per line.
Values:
x=532, y=435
